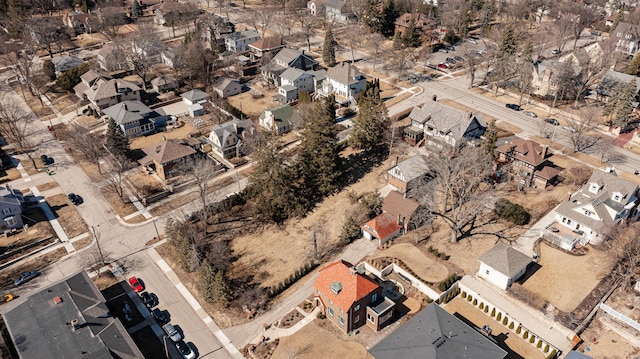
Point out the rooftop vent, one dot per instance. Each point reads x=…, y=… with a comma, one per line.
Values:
x=336, y=287
x=57, y=300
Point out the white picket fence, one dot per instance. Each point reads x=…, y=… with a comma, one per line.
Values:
x=620, y=317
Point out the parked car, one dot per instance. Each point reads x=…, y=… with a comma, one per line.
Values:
x=160, y=316
x=135, y=284
x=458, y=58
x=480, y=51
x=555, y=51
x=450, y=48
x=552, y=121
x=46, y=160
x=513, y=106
x=172, y=332
x=25, y=277
x=569, y=128
x=530, y=114
x=443, y=65
x=185, y=350
x=596, y=33
x=450, y=60
x=75, y=199
x=473, y=41
x=444, y=50
x=6, y=298
x=148, y=300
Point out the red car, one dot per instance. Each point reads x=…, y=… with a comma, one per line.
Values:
x=135, y=284
x=443, y=66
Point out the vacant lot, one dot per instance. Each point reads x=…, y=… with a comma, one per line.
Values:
x=560, y=270
x=68, y=216
x=426, y=268
x=314, y=342
x=252, y=106
x=516, y=347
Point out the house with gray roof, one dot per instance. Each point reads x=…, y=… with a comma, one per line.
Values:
x=239, y=41
x=434, y=333
x=69, y=319
x=443, y=126
x=195, y=96
x=589, y=214
x=284, y=59
x=279, y=120
x=227, y=139
x=227, y=86
x=333, y=10
x=135, y=118
x=626, y=38
x=11, y=201
x=103, y=91
x=502, y=265
x=344, y=81
x=293, y=81
x=65, y=63
x=408, y=174
x=613, y=79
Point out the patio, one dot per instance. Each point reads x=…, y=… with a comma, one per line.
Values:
x=562, y=236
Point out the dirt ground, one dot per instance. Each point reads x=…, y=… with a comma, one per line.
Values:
x=68, y=216
x=10, y=175
x=425, y=267
x=121, y=209
x=602, y=342
x=251, y=106
x=511, y=342
x=314, y=342
x=146, y=141
x=560, y=270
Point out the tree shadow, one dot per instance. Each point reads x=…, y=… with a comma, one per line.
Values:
x=357, y=165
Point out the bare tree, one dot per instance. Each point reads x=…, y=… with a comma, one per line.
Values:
x=111, y=19
x=21, y=58
x=115, y=179
x=319, y=240
x=47, y=32
x=308, y=23
x=580, y=132
x=87, y=143
x=626, y=252
x=592, y=68
x=142, y=50
x=17, y=126
x=402, y=58
x=352, y=38
x=202, y=171
x=471, y=56
x=92, y=258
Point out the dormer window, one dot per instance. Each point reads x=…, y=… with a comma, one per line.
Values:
x=587, y=212
x=627, y=36
x=616, y=197
x=336, y=287
x=593, y=188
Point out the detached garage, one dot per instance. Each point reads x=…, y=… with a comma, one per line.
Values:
x=502, y=265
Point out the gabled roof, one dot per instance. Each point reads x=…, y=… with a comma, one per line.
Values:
x=10, y=196
x=382, y=226
x=505, y=259
x=434, y=333
x=234, y=127
x=422, y=21
x=611, y=79
x=625, y=28
x=64, y=63
x=527, y=151
x=225, y=82
x=396, y=204
x=242, y=35
x=167, y=151
x=355, y=286
x=103, y=89
x=90, y=76
x=267, y=43
x=413, y=167
x=345, y=73
x=288, y=56
x=445, y=119
x=291, y=74
x=195, y=95
x=127, y=111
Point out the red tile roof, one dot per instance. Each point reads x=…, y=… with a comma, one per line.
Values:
x=355, y=286
x=382, y=226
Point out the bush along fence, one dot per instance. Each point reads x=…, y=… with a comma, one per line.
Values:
x=288, y=282
x=505, y=320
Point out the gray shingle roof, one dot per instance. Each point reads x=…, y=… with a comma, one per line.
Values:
x=413, y=167
x=104, y=88
x=195, y=95
x=283, y=115
x=505, y=259
x=127, y=111
x=434, y=333
x=344, y=73
x=167, y=151
x=287, y=56
x=64, y=63
x=291, y=74
x=445, y=119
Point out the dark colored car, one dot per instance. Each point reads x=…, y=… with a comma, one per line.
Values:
x=25, y=277
x=46, y=160
x=148, y=300
x=185, y=350
x=552, y=121
x=513, y=106
x=160, y=316
x=75, y=199
x=450, y=60
x=458, y=58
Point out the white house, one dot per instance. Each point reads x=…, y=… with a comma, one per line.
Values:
x=590, y=214
x=11, y=206
x=333, y=10
x=502, y=265
x=194, y=96
x=345, y=82
x=239, y=41
x=293, y=81
x=228, y=138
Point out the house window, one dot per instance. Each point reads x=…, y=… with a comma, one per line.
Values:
x=487, y=272
x=330, y=312
x=10, y=221
x=357, y=319
x=6, y=210
x=370, y=318
x=374, y=296
x=341, y=321
x=357, y=308
x=587, y=212
x=616, y=197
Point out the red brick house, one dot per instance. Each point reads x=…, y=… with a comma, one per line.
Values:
x=428, y=28
x=527, y=162
x=350, y=299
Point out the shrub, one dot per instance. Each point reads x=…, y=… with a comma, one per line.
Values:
x=486, y=309
x=505, y=321
x=475, y=302
x=499, y=317
x=321, y=316
x=510, y=325
x=469, y=298
x=532, y=339
x=350, y=231
x=481, y=305
x=446, y=258
x=430, y=249
x=512, y=212
x=546, y=348
x=518, y=330
x=539, y=345
x=525, y=335
x=464, y=294
x=552, y=355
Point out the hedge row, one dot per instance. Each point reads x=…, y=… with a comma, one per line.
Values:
x=451, y=295
x=438, y=254
x=447, y=283
x=299, y=273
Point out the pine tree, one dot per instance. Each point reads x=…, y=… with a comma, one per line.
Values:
x=490, y=139
x=368, y=127
x=213, y=285
x=411, y=37
x=623, y=103
x=329, y=49
x=135, y=9
x=388, y=18
x=117, y=141
x=634, y=66
x=319, y=157
x=49, y=69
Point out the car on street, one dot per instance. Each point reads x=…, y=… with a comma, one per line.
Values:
x=172, y=332
x=444, y=50
x=443, y=65
x=46, y=160
x=134, y=282
x=7, y=298
x=185, y=350
x=450, y=60
x=472, y=41
x=458, y=58
x=160, y=316
x=530, y=114
x=147, y=300
x=25, y=277
x=555, y=51
x=76, y=199
x=569, y=128
x=450, y=48
x=513, y=106
x=552, y=121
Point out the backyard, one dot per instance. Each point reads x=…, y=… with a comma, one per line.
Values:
x=314, y=342
x=426, y=268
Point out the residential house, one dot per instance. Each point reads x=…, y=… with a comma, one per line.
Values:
x=502, y=265
x=333, y=10
x=592, y=212
x=292, y=82
x=345, y=82
x=527, y=161
x=170, y=10
x=226, y=87
x=103, y=91
x=426, y=27
x=11, y=201
x=164, y=83
x=163, y=157
x=613, y=79
x=135, y=118
x=239, y=41
x=70, y=319
x=350, y=299
x=78, y=21
x=65, y=63
x=626, y=37
x=382, y=228
x=318, y=78
x=245, y=66
x=398, y=205
x=112, y=58
x=435, y=333
x=195, y=96
x=284, y=59
x=442, y=125
x=577, y=355
x=408, y=174
x=227, y=139
x=269, y=45
x=279, y=120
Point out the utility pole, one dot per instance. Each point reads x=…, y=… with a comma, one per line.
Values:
x=156, y=228
x=95, y=236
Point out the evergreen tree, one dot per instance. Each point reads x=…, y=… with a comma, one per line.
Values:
x=619, y=107
x=490, y=139
x=388, y=18
x=508, y=46
x=213, y=285
x=634, y=66
x=411, y=36
x=397, y=40
x=117, y=141
x=136, y=11
x=329, y=49
x=49, y=70
x=319, y=157
x=368, y=127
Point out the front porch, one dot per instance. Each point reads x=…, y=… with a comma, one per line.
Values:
x=563, y=236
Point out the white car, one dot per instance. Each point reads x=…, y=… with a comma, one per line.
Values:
x=569, y=128
x=472, y=41
x=172, y=332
